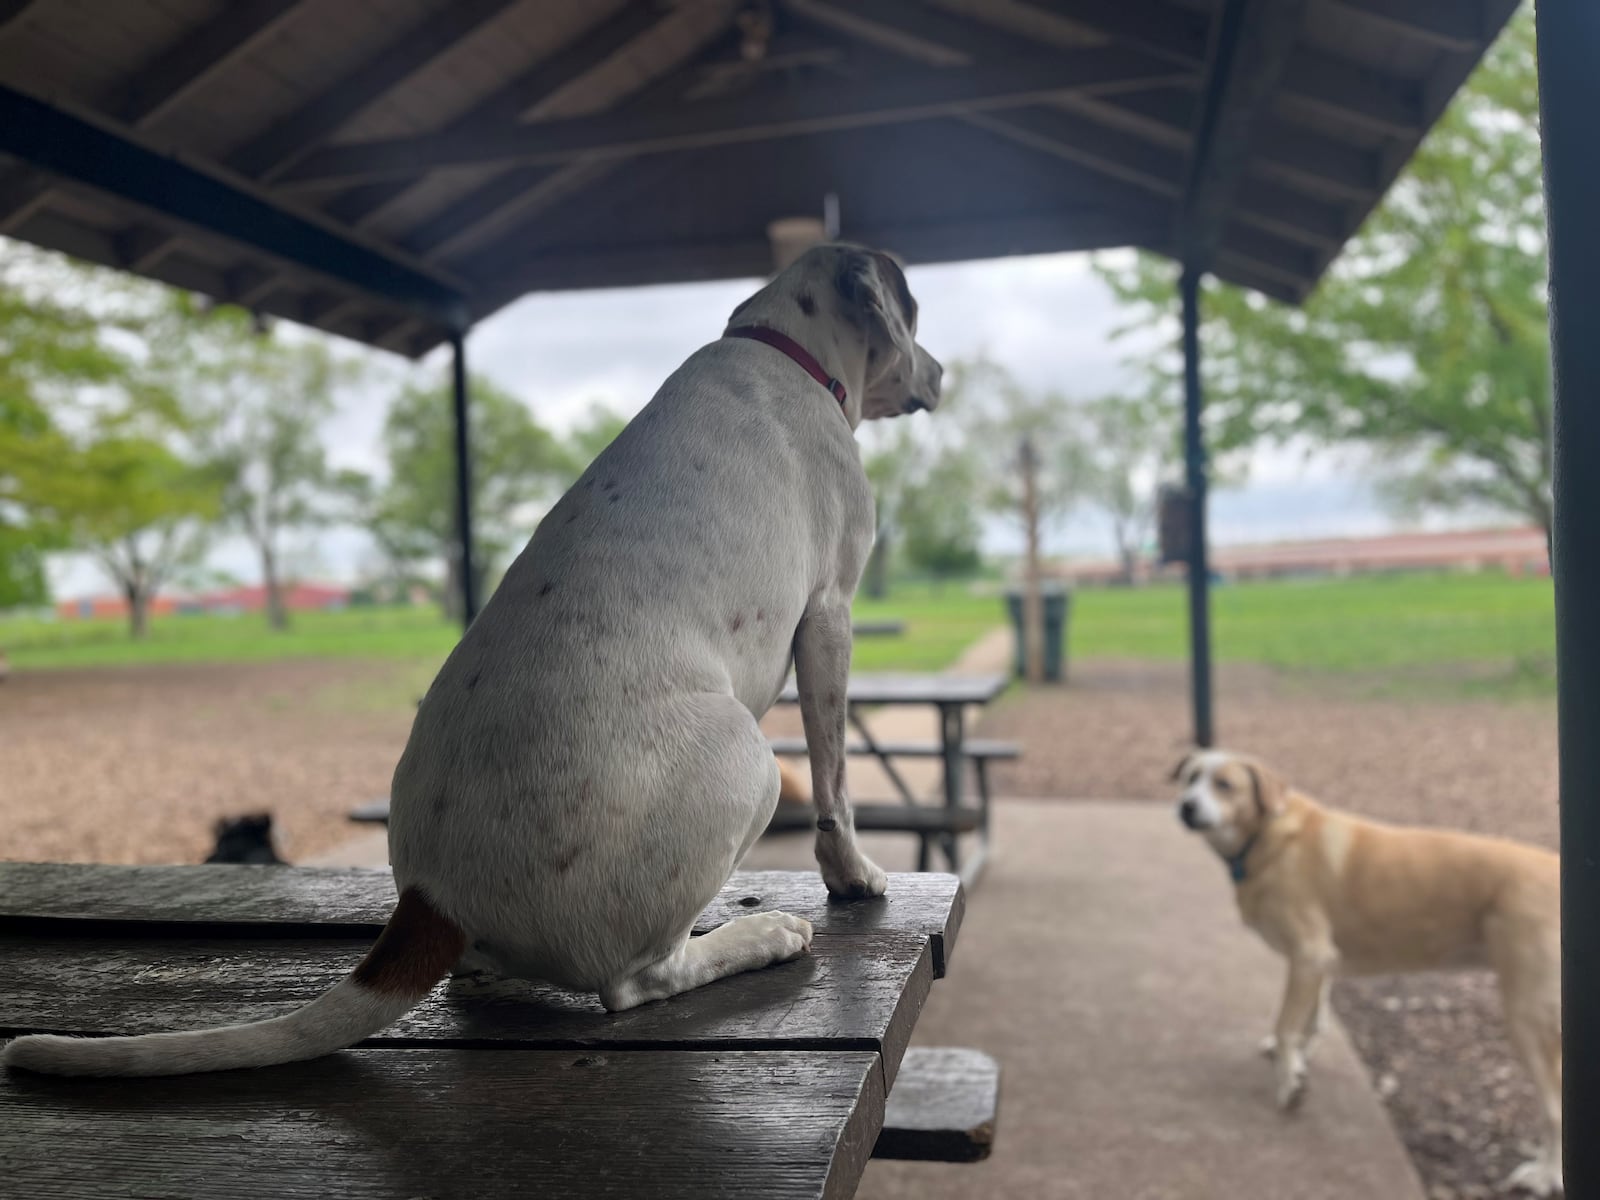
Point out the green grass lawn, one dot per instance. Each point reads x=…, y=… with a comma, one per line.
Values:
x=1485, y=630
x=1464, y=631
x=939, y=626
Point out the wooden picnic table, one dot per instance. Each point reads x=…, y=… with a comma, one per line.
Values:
x=950, y=696
x=771, y=1083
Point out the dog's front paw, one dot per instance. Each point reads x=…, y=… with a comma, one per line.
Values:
x=862, y=880
x=1291, y=1079
x=1267, y=1047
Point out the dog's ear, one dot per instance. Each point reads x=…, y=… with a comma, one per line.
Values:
x=1268, y=786
x=873, y=286
x=1177, y=771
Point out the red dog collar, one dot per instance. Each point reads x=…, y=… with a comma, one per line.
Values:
x=786, y=344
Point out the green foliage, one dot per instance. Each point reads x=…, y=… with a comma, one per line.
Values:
x=599, y=430
x=1129, y=445
x=1427, y=339
x=254, y=403
x=939, y=519
x=516, y=463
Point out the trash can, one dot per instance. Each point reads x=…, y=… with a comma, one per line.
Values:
x=1057, y=603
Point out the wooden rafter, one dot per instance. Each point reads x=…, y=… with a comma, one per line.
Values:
x=1316, y=79
x=522, y=94
x=765, y=116
x=1455, y=25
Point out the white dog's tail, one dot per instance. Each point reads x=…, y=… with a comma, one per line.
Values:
x=417, y=947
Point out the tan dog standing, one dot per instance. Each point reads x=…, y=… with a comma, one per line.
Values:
x=1336, y=894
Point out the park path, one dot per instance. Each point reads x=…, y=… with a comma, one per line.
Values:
x=1103, y=965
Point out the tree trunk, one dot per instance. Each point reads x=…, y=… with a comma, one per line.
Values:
x=277, y=614
x=452, y=585
x=1032, y=596
x=876, y=582
x=138, y=611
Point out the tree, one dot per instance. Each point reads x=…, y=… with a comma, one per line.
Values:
x=516, y=463
x=1427, y=339
x=257, y=401
x=940, y=522
x=1026, y=446
x=1129, y=443
x=892, y=467
x=51, y=350
x=599, y=430
x=140, y=509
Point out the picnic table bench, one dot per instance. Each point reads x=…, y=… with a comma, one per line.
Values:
x=772, y=1083
x=950, y=696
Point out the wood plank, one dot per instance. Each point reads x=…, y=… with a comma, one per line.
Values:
x=970, y=748
x=379, y=74
x=882, y=818
x=772, y=113
x=1455, y=25
x=856, y=990
x=914, y=689
x=220, y=900
x=201, y=55
x=453, y=1123
x=943, y=1108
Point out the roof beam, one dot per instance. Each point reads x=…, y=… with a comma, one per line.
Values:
x=302, y=130
x=1455, y=25
x=523, y=94
x=291, y=136
x=522, y=191
x=1255, y=42
x=196, y=58
x=1346, y=90
x=76, y=149
x=1087, y=228
x=1160, y=171
x=777, y=113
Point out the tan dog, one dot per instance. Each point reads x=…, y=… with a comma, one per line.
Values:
x=1333, y=893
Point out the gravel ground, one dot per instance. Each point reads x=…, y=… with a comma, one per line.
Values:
x=136, y=765
x=1435, y=1044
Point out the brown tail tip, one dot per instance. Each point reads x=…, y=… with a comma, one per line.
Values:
x=414, y=951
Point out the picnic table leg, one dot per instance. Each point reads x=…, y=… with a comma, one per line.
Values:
x=952, y=719
x=900, y=784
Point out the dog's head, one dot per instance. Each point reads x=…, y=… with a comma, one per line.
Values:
x=864, y=293
x=902, y=377
x=1226, y=797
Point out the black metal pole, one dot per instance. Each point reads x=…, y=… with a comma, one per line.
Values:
x=1194, y=450
x=464, y=557
x=1569, y=99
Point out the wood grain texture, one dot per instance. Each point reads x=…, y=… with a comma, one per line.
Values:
x=914, y=689
x=943, y=1108
x=860, y=991
x=229, y=900
x=454, y=1123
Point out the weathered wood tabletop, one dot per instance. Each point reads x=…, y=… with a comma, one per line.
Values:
x=767, y=1084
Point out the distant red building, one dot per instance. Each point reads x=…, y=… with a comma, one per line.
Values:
x=298, y=597
x=1517, y=552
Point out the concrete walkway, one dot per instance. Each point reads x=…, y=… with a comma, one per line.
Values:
x=1103, y=964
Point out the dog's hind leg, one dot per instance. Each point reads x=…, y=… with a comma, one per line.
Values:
x=743, y=944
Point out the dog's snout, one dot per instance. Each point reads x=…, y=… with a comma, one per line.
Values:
x=914, y=405
x=1189, y=814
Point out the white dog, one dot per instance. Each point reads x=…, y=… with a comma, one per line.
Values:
x=586, y=771
x=1336, y=894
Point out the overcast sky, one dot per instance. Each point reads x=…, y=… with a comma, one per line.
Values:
x=1047, y=318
